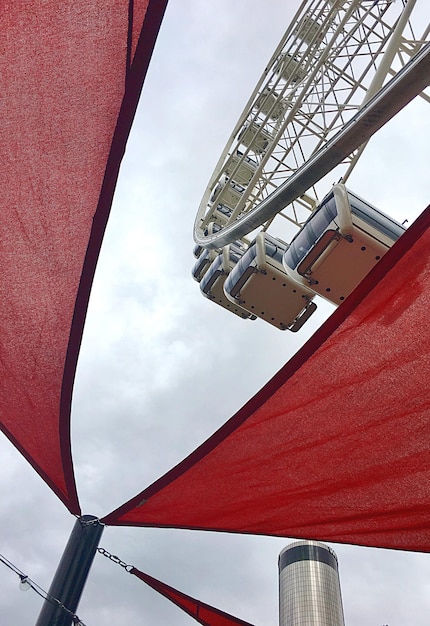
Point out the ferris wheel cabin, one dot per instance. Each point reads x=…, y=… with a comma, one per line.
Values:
x=339, y=244
x=259, y=284
x=202, y=264
x=212, y=283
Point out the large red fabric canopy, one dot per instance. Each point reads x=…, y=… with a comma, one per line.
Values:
x=72, y=72
x=336, y=446
x=203, y=613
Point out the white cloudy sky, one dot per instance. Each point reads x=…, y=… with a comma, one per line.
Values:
x=161, y=368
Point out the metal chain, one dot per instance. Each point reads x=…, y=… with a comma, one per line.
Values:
x=115, y=559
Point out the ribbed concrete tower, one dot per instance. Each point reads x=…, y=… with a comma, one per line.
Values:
x=309, y=587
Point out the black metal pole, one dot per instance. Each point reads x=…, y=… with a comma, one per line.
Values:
x=71, y=574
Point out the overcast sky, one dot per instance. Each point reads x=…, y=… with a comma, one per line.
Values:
x=161, y=367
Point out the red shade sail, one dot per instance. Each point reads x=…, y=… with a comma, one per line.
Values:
x=72, y=72
x=336, y=446
x=202, y=613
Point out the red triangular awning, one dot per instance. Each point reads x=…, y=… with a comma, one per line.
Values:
x=201, y=612
x=336, y=446
x=72, y=73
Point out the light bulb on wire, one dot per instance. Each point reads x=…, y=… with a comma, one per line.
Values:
x=24, y=584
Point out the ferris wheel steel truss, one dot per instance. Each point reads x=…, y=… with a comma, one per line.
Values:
x=329, y=66
x=406, y=85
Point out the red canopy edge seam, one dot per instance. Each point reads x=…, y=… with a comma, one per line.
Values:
x=255, y=533
x=134, y=83
x=129, y=38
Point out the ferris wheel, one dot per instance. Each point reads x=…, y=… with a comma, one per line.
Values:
x=334, y=61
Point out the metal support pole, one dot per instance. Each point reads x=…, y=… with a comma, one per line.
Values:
x=71, y=574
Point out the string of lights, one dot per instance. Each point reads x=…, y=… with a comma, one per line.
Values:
x=27, y=583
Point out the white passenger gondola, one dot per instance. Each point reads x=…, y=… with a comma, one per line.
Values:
x=202, y=264
x=255, y=137
x=309, y=30
x=339, y=244
x=227, y=193
x=241, y=168
x=271, y=104
x=259, y=284
x=290, y=69
x=212, y=283
x=197, y=250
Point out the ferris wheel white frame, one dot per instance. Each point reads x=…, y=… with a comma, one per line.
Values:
x=321, y=75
